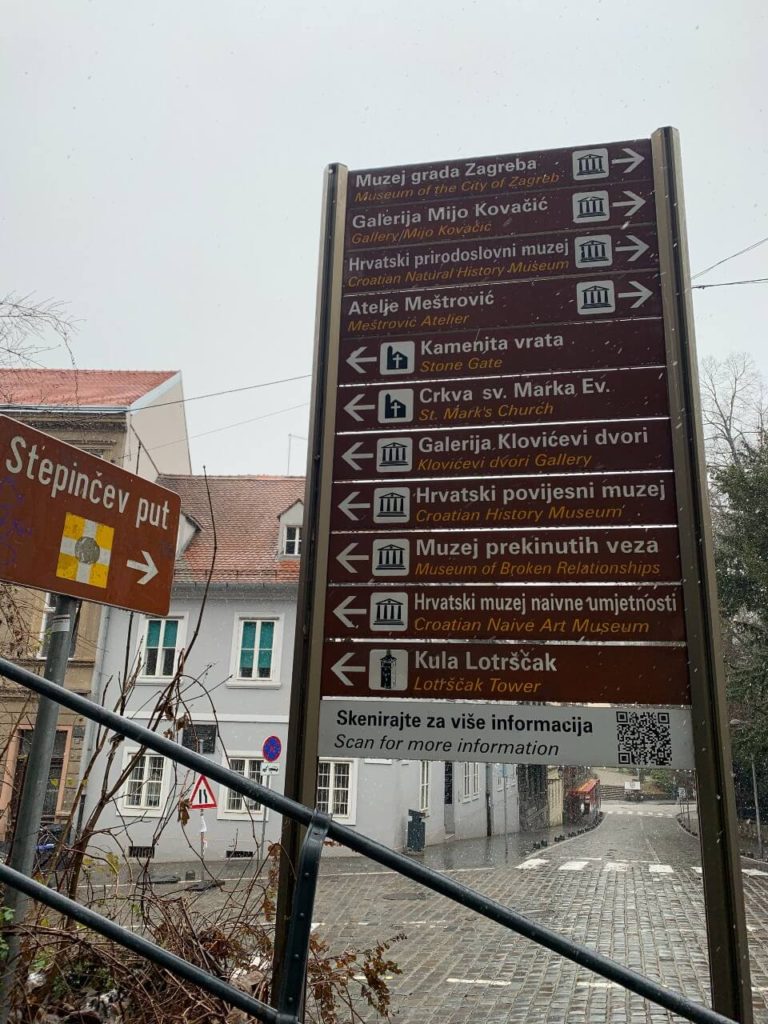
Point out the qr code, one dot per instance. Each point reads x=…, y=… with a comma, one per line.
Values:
x=643, y=737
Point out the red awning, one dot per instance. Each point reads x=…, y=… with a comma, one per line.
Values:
x=586, y=787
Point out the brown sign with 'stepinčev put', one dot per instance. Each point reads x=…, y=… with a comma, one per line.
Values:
x=71, y=523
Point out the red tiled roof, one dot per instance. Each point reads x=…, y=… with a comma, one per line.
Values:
x=79, y=388
x=246, y=511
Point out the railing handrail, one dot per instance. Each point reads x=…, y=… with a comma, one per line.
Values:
x=362, y=844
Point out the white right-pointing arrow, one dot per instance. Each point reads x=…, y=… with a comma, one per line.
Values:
x=632, y=160
x=633, y=202
x=351, y=455
x=344, y=610
x=148, y=567
x=341, y=668
x=637, y=248
x=346, y=558
x=354, y=359
x=349, y=503
x=354, y=407
x=640, y=294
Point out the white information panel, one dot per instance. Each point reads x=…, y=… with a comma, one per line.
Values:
x=513, y=733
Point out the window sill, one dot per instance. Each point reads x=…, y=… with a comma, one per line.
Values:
x=240, y=816
x=255, y=684
x=141, y=812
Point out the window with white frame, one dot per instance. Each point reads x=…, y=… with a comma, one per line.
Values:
x=335, y=789
x=475, y=779
x=49, y=609
x=236, y=803
x=162, y=644
x=292, y=540
x=256, y=650
x=144, y=786
x=466, y=780
x=425, y=783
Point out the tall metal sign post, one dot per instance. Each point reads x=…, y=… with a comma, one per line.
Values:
x=506, y=499
x=78, y=527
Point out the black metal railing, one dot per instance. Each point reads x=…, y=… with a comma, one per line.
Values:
x=319, y=827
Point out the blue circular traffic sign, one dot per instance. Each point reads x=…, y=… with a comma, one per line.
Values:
x=272, y=748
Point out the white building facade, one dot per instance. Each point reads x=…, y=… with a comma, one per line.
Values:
x=221, y=664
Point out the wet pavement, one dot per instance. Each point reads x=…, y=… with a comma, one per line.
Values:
x=631, y=889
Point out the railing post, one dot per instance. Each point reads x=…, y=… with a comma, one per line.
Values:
x=294, y=969
x=34, y=788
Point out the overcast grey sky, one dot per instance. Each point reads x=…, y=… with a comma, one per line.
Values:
x=163, y=162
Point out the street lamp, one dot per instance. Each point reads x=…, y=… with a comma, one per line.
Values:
x=737, y=723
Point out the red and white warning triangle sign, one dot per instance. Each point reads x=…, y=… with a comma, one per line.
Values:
x=202, y=795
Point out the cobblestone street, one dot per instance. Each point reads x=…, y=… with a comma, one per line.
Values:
x=631, y=889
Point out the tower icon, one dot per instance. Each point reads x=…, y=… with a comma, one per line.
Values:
x=388, y=671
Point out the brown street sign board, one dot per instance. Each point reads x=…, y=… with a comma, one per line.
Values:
x=490, y=216
x=508, y=486
x=614, y=161
x=598, y=395
x=478, y=612
x=539, y=302
x=561, y=447
x=436, y=355
x=574, y=673
x=535, y=555
x=524, y=256
x=74, y=524
x=619, y=499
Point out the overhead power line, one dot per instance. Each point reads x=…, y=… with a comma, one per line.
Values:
x=232, y=391
x=733, y=256
x=729, y=284
x=218, y=430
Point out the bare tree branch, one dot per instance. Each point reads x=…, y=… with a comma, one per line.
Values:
x=29, y=328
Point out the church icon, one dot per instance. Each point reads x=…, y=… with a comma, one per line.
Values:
x=590, y=164
x=593, y=251
x=390, y=557
x=397, y=357
x=595, y=297
x=388, y=669
x=391, y=505
x=395, y=456
x=396, y=405
x=389, y=611
x=591, y=207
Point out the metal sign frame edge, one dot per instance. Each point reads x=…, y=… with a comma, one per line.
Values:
x=723, y=892
x=304, y=711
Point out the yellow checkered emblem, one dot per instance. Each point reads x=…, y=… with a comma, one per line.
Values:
x=86, y=548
